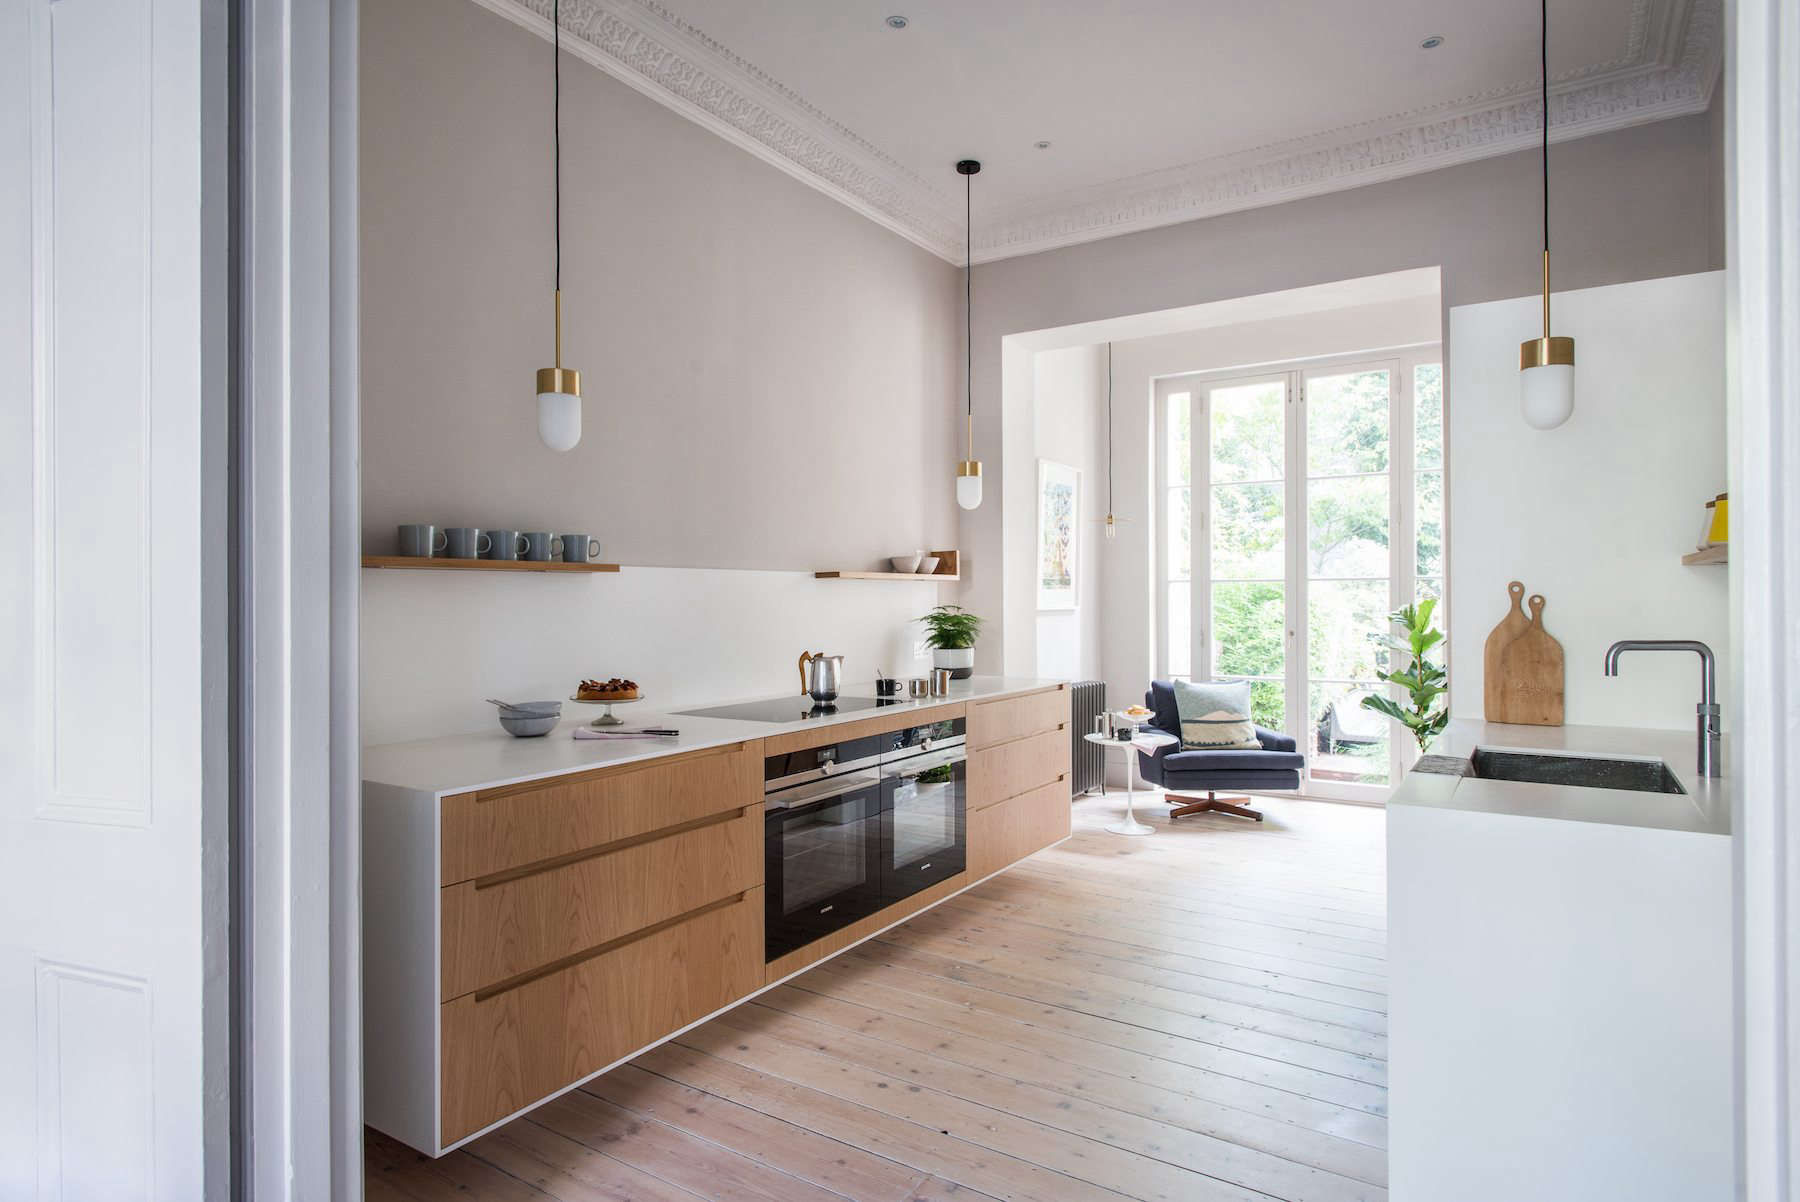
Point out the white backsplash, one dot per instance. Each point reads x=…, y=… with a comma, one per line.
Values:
x=434, y=644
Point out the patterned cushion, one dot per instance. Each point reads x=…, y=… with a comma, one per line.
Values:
x=1216, y=716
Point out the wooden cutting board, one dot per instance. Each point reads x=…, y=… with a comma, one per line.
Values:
x=1514, y=624
x=1531, y=675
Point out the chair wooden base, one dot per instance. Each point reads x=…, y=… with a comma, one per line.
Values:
x=1210, y=804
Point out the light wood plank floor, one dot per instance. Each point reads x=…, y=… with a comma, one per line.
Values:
x=1200, y=1014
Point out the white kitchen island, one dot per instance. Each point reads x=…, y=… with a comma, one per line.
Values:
x=1560, y=1023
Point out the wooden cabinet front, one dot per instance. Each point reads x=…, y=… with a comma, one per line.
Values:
x=497, y=929
x=997, y=773
x=1009, y=831
x=993, y=722
x=506, y=1050
x=495, y=830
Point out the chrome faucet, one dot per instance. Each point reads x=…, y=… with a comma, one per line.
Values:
x=1708, y=709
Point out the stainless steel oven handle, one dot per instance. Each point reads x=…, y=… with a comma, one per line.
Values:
x=913, y=765
x=821, y=791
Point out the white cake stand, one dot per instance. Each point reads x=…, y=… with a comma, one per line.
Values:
x=607, y=719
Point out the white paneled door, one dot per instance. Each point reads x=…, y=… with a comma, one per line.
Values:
x=113, y=1032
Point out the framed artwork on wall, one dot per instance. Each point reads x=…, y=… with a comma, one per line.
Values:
x=1058, y=531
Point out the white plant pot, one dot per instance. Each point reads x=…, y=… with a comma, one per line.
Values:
x=960, y=661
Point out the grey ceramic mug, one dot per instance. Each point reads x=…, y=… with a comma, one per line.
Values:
x=540, y=545
x=420, y=542
x=505, y=544
x=465, y=542
x=579, y=548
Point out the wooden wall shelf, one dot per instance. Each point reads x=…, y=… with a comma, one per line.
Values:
x=1706, y=555
x=949, y=569
x=435, y=564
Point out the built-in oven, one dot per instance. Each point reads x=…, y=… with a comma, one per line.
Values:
x=924, y=833
x=822, y=841
x=854, y=826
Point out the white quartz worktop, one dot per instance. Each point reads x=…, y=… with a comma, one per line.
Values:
x=460, y=763
x=1704, y=809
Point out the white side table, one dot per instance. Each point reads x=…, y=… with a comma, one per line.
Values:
x=1146, y=741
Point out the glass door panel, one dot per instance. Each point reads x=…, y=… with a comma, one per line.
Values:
x=1349, y=571
x=1246, y=567
x=1178, y=531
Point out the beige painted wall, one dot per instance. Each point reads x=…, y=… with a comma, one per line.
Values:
x=1636, y=204
x=771, y=380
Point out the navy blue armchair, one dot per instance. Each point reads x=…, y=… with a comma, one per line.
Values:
x=1276, y=765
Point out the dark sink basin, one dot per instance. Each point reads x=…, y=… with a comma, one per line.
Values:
x=1592, y=772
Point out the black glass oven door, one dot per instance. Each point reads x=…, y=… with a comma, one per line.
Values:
x=924, y=824
x=821, y=859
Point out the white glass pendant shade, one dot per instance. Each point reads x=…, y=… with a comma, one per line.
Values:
x=559, y=420
x=968, y=491
x=1547, y=395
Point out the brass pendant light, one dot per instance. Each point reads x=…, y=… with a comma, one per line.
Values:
x=968, y=472
x=1547, y=364
x=1111, y=521
x=558, y=387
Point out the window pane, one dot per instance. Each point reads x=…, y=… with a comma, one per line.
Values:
x=1180, y=535
x=1248, y=540
x=1180, y=618
x=1428, y=517
x=1347, y=628
x=1428, y=415
x=1246, y=431
x=1350, y=743
x=1249, y=629
x=1347, y=524
x=1268, y=704
x=1347, y=423
x=1180, y=438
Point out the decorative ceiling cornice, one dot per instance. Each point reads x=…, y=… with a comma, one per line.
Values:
x=1670, y=67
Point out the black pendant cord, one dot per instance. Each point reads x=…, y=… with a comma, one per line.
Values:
x=969, y=297
x=1544, y=75
x=556, y=124
x=1109, y=432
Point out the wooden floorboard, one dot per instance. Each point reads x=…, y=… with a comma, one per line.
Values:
x=1200, y=1014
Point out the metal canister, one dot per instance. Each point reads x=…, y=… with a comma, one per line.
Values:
x=918, y=686
x=940, y=682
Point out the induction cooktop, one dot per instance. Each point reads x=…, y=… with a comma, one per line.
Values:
x=795, y=709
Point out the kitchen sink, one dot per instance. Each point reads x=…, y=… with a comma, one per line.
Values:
x=1592, y=772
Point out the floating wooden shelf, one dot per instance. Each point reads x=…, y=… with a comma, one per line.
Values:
x=1705, y=555
x=948, y=569
x=419, y=563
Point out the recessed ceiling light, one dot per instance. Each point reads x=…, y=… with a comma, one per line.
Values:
x=1432, y=42
x=896, y=22
x=1042, y=145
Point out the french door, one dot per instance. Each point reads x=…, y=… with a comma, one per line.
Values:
x=1300, y=507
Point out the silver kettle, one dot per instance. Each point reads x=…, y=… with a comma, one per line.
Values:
x=820, y=675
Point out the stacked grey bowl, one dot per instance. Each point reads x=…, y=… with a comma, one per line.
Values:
x=528, y=719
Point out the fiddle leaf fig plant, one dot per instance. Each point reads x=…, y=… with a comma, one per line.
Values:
x=1427, y=711
x=950, y=628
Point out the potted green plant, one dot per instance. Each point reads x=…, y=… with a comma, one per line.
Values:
x=1428, y=705
x=951, y=632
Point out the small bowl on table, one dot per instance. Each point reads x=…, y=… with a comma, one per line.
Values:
x=906, y=565
x=531, y=719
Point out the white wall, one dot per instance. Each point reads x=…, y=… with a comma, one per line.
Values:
x=1596, y=514
x=1069, y=426
x=436, y=644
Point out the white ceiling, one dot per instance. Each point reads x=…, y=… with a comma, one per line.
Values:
x=1157, y=110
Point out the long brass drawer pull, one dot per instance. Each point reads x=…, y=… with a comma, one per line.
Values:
x=605, y=849
x=600, y=949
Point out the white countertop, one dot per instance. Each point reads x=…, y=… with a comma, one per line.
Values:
x=460, y=763
x=1704, y=809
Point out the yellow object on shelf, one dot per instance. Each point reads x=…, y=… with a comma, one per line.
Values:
x=1717, y=529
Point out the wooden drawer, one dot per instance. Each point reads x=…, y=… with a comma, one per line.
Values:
x=992, y=722
x=1003, y=834
x=504, y=1051
x=997, y=773
x=495, y=929
x=498, y=829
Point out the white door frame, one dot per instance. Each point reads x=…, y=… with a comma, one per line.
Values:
x=1401, y=363
x=1763, y=387
x=300, y=1078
